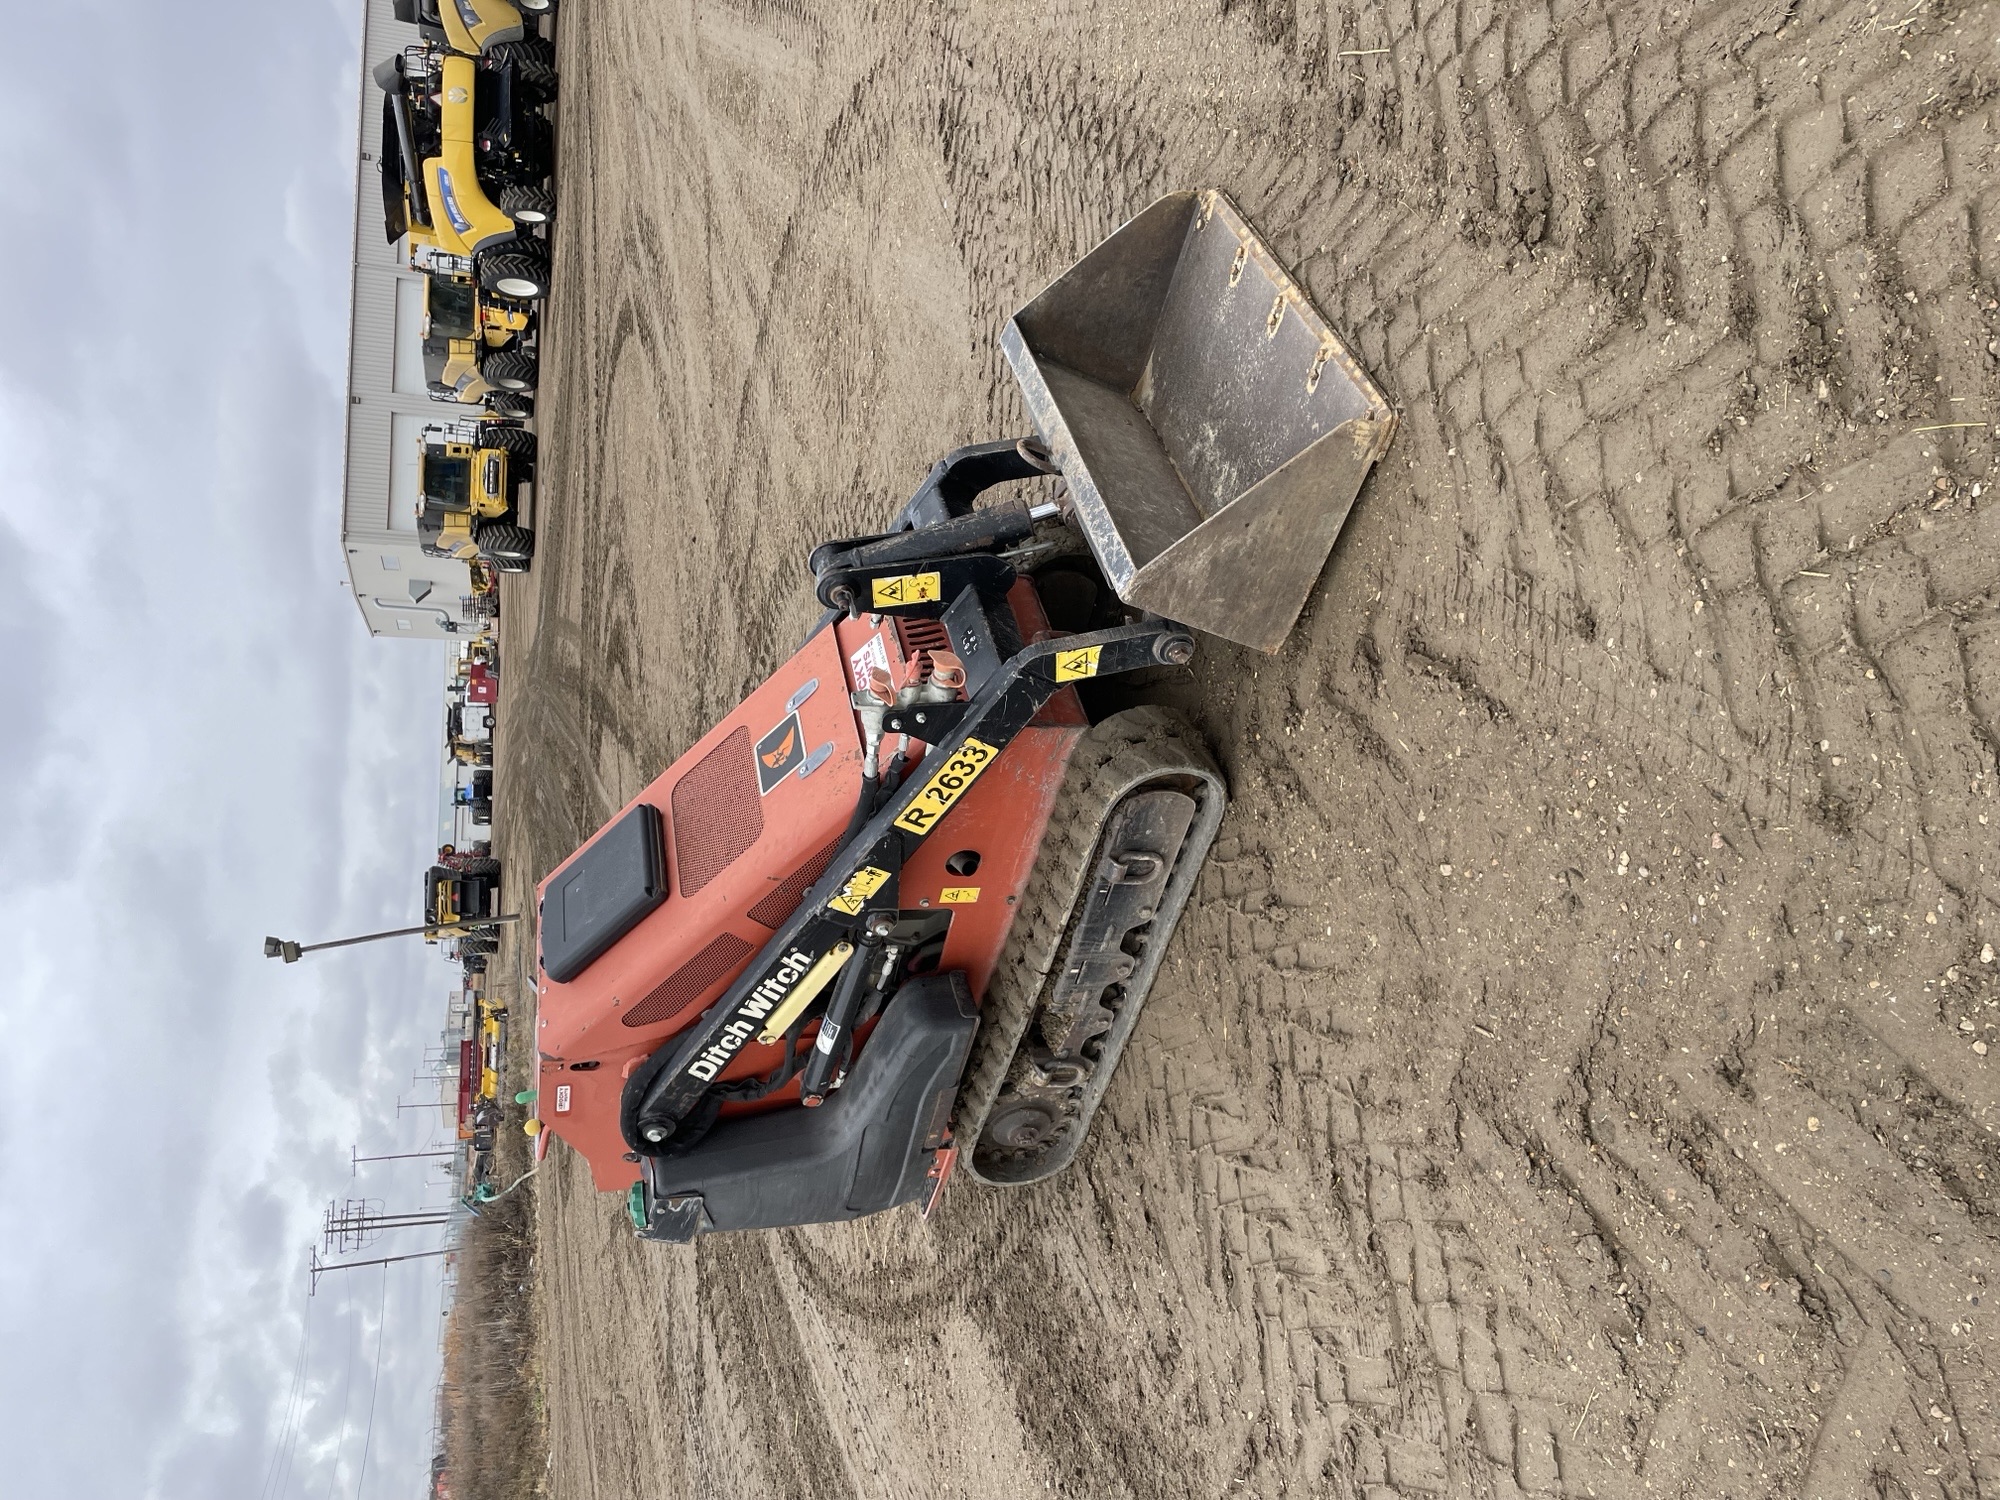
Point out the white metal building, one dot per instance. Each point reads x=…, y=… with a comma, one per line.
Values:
x=401, y=591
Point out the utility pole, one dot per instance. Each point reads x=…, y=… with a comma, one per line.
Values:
x=318, y=1268
x=359, y=1222
x=354, y=1152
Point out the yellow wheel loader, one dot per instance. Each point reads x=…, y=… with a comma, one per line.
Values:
x=465, y=748
x=488, y=28
x=478, y=349
x=465, y=161
x=471, y=479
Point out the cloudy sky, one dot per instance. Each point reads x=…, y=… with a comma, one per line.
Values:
x=201, y=745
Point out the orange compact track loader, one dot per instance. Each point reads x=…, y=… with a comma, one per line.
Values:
x=901, y=908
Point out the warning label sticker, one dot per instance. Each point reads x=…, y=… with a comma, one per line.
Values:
x=1082, y=662
x=862, y=884
x=907, y=588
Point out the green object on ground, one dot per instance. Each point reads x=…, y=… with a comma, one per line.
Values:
x=635, y=1205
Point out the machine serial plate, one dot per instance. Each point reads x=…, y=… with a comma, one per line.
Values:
x=950, y=782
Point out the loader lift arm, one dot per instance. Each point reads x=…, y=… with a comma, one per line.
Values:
x=957, y=479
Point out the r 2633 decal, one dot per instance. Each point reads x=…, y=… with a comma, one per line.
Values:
x=947, y=784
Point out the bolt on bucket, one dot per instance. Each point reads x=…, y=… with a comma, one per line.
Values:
x=1212, y=428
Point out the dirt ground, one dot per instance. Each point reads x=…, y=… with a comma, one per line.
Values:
x=1577, y=1072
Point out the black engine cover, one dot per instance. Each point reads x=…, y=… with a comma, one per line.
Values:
x=620, y=878
x=867, y=1148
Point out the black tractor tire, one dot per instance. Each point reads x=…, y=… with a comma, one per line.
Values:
x=507, y=544
x=519, y=269
x=478, y=945
x=533, y=60
x=475, y=963
x=537, y=7
x=528, y=205
x=541, y=82
x=530, y=51
x=513, y=565
x=482, y=813
x=515, y=442
x=510, y=404
x=481, y=867
x=510, y=370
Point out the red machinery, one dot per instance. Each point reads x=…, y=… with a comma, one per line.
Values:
x=468, y=1086
x=902, y=907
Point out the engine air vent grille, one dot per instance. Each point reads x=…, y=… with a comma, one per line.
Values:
x=717, y=812
x=915, y=635
x=784, y=899
x=690, y=981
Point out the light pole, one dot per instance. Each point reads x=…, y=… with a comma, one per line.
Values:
x=290, y=951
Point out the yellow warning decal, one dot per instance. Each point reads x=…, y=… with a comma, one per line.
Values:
x=862, y=884
x=1082, y=662
x=958, y=895
x=946, y=786
x=907, y=588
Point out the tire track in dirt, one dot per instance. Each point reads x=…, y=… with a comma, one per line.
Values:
x=1612, y=816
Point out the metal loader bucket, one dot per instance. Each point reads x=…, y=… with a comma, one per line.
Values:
x=1212, y=428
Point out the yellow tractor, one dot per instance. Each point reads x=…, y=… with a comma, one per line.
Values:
x=484, y=28
x=483, y=603
x=461, y=745
x=470, y=482
x=492, y=1050
x=456, y=132
x=477, y=348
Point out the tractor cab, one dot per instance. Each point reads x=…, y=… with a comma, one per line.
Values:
x=469, y=481
x=444, y=509
x=469, y=744
x=453, y=898
x=475, y=347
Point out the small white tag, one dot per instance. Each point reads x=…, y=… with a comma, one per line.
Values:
x=870, y=655
x=562, y=1098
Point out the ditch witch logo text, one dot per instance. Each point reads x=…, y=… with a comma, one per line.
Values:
x=770, y=992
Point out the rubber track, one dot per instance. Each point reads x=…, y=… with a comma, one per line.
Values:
x=1111, y=760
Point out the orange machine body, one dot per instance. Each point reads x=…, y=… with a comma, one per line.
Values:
x=752, y=816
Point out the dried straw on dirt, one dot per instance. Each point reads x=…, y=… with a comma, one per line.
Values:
x=495, y=1444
